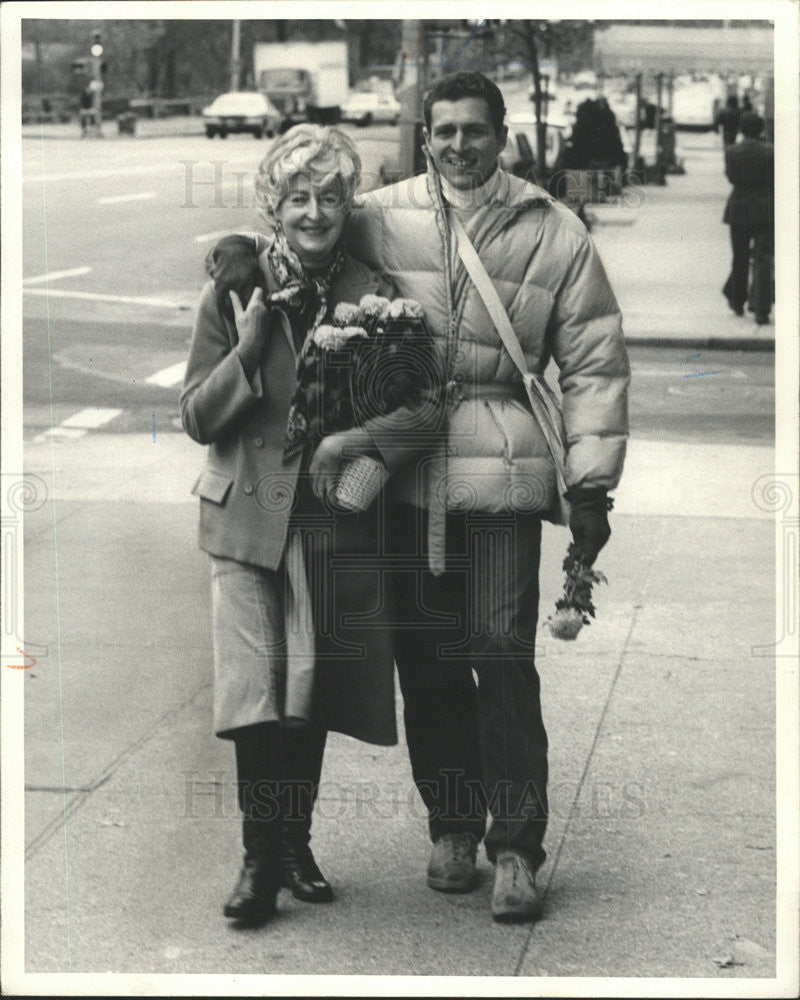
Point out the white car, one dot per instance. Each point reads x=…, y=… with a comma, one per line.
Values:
x=364, y=109
x=242, y=111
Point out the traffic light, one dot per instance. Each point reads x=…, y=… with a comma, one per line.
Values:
x=97, y=43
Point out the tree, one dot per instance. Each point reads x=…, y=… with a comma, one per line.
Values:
x=529, y=40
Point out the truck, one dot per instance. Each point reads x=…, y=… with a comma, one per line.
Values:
x=306, y=81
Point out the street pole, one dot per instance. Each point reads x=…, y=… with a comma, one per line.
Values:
x=97, y=81
x=659, y=98
x=236, y=58
x=638, y=134
x=409, y=94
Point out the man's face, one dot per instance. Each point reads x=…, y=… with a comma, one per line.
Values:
x=463, y=142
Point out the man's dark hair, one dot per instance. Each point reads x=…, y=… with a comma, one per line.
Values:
x=752, y=125
x=466, y=84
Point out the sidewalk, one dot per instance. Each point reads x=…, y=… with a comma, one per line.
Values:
x=146, y=128
x=668, y=254
x=660, y=715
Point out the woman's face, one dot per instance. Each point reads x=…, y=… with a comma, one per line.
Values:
x=312, y=218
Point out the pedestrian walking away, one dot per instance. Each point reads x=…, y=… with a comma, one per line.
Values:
x=729, y=120
x=750, y=214
x=508, y=279
x=288, y=667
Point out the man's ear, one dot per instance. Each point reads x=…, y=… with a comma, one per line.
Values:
x=503, y=138
x=426, y=134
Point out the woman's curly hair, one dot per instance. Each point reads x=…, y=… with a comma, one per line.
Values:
x=323, y=153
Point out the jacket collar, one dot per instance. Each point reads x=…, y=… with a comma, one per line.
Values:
x=511, y=196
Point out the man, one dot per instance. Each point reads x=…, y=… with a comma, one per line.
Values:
x=750, y=214
x=729, y=120
x=465, y=524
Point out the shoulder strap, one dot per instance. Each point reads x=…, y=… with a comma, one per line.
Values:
x=488, y=293
x=543, y=403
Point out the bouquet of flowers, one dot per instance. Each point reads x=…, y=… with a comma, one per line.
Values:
x=371, y=359
x=574, y=608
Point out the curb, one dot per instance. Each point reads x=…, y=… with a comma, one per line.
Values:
x=704, y=343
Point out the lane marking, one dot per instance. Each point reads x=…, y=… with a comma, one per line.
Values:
x=210, y=237
x=116, y=199
x=168, y=377
x=151, y=168
x=90, y=419
x=98, y=297
x=55, y=275
x=130, y=170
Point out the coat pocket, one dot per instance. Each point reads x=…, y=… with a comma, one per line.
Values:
x=213, y=486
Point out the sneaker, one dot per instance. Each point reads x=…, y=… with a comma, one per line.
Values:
x=452, y=864
x=515, y=898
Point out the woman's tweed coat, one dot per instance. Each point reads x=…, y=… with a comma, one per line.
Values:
x=246, y=499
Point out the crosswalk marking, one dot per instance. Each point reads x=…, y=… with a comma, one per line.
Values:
x=78, y=424
x=73, y=272
x=168, y=377
x=67, y=433
x=90, y=419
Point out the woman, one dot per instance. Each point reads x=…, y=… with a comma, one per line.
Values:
x=288, y=667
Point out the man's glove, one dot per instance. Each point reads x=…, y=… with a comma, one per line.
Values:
x=588, y=519
x=233, y=264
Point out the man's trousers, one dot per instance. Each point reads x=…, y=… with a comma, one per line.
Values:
x=474, y=747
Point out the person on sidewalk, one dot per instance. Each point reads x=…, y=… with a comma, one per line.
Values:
x=729, y=120
x=466, y=523
x=750, y=214
x=287, y=668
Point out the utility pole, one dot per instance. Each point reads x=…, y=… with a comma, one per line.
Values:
x=236, y=58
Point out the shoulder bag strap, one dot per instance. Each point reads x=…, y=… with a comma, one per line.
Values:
x=543, y=404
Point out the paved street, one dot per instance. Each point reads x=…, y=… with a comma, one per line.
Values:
x=661, y=716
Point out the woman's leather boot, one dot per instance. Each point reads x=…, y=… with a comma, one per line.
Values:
x=258, y=767
x=302, y=751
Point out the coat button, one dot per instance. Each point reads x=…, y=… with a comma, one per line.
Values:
x=259, y=442
x=248, y=488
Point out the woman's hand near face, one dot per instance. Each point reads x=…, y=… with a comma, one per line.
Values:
x=252, y=329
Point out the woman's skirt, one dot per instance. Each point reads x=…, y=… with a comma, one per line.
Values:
x=308, y=643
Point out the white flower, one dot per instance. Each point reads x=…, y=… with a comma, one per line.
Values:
x=566, y=623
x=334, y=338
x=404, y=308
x=373, y=305
x=347, y=314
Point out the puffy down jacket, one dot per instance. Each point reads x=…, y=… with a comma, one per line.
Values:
x=553, y=286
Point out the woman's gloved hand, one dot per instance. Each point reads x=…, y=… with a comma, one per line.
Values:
x=588, y=519
x=233, y=264
x=252, y=329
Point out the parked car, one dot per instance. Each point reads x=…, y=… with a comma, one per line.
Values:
x=241, y=111
x=366, y=108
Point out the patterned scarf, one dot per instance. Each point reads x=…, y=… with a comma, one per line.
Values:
x=300, y=292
